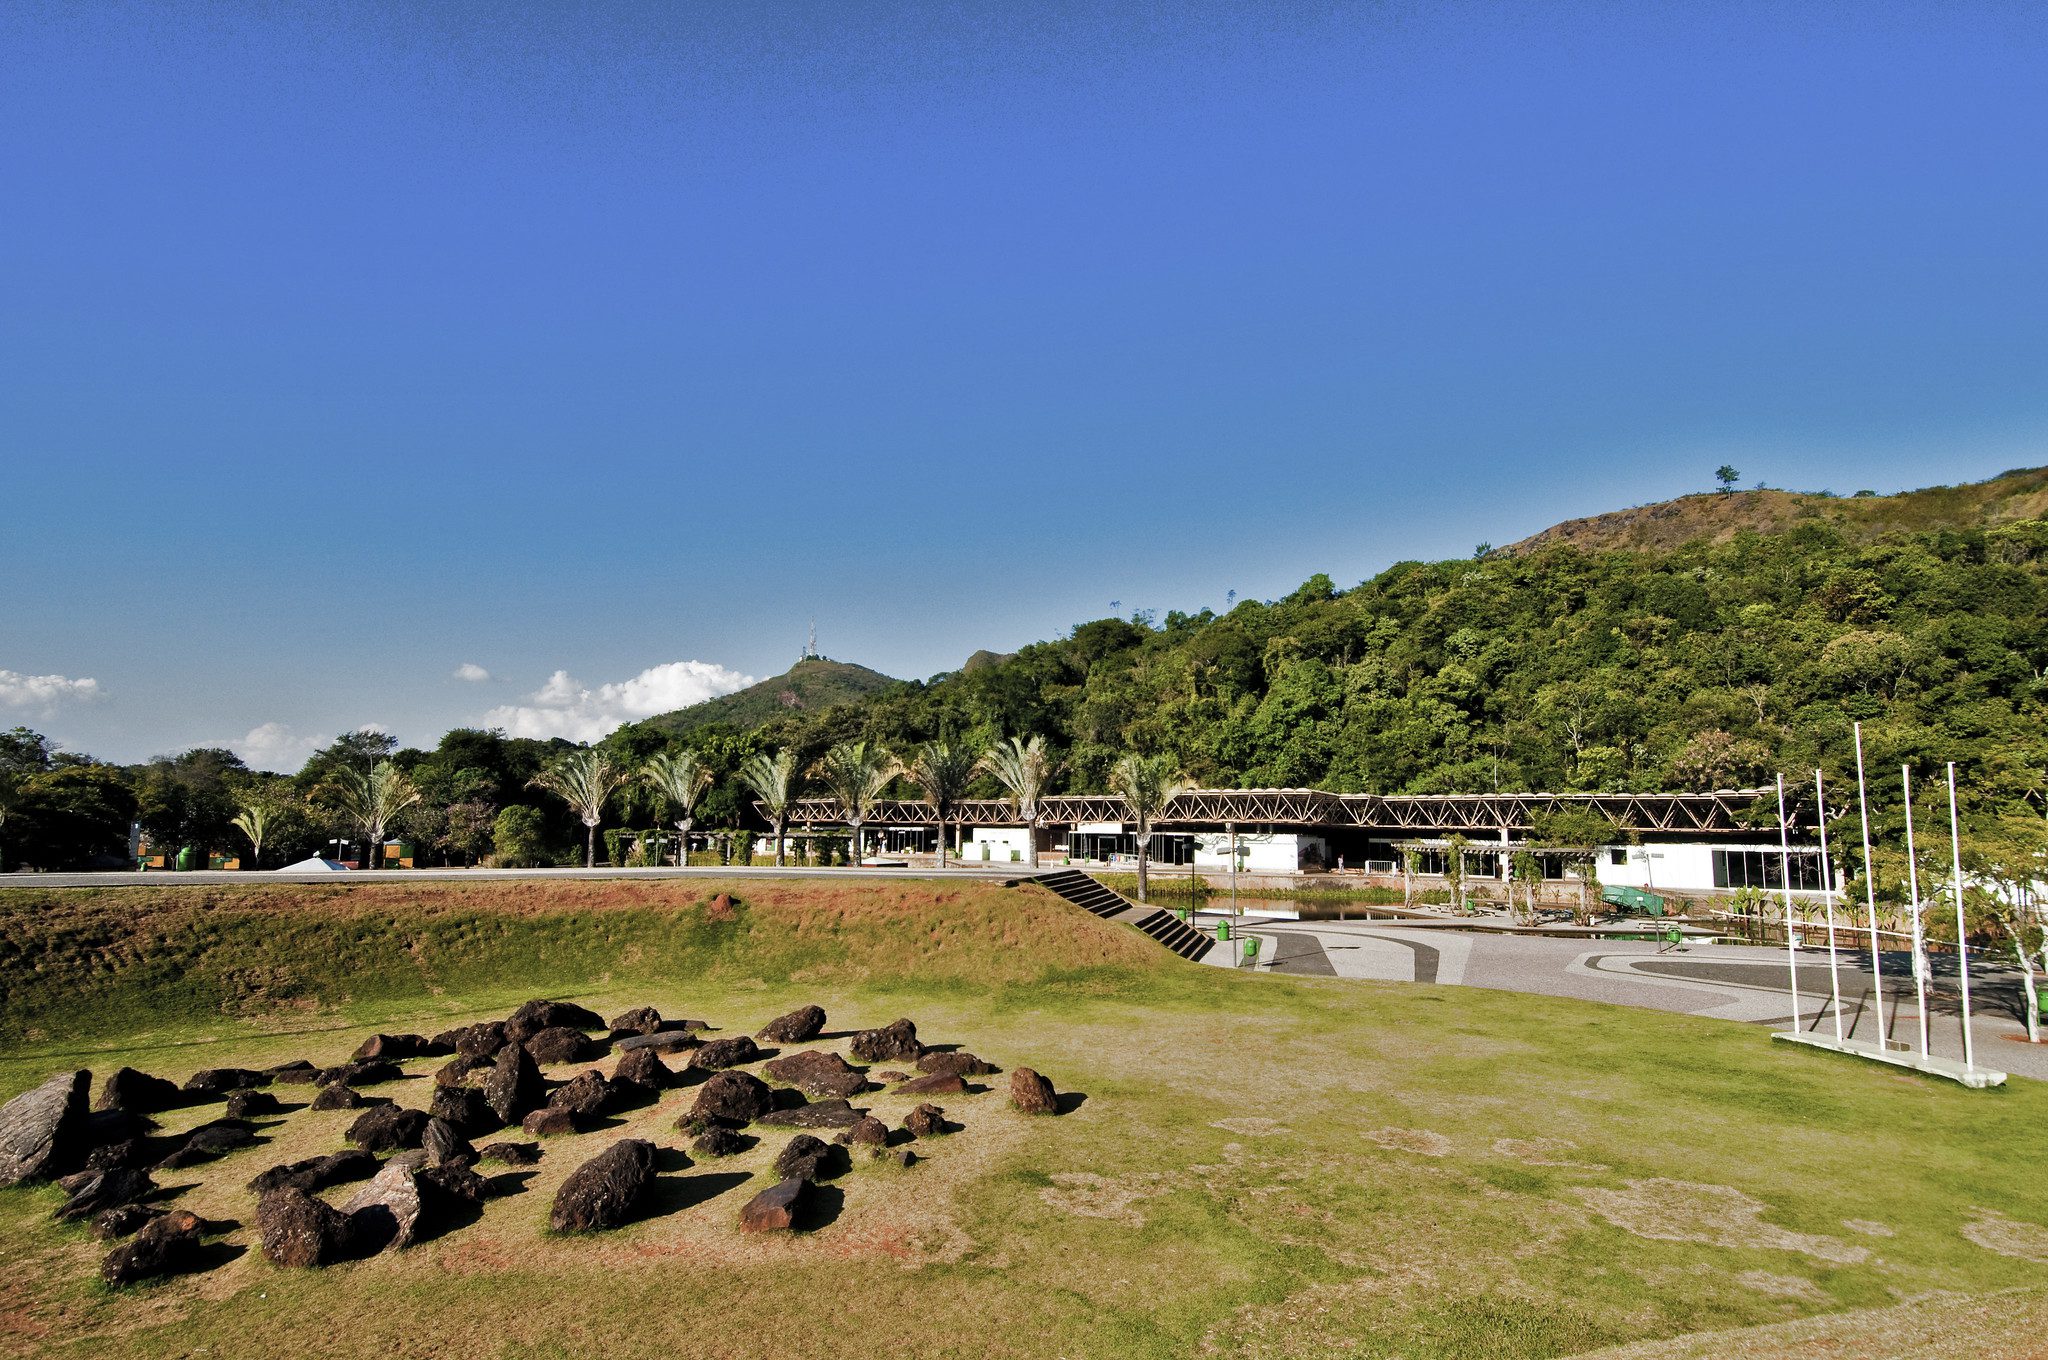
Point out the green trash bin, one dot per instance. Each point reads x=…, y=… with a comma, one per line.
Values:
x=1251, y=949
x=1222, y=931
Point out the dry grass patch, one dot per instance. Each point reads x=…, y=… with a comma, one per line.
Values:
x=1667, y=1210
x=1993, y=1231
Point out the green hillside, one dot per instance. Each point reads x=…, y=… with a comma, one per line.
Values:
x=810, y=685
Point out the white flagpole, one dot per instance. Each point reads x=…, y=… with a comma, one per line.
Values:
x=1955, y=847
x=1785, y=885
x=1913, y=890
x=1870, y=900
x=1827, y=886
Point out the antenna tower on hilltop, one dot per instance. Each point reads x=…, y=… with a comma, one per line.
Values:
x=811, y=647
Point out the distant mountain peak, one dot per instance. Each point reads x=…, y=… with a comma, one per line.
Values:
x=814, y=682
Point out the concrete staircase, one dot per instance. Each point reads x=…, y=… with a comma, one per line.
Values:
x=1163, y=926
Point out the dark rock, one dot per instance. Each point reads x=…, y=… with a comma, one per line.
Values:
x=719, y=1054
x=316, y=1173
x=104, y=1127
x=865, y=1132
x=719, y=1141
x=298, y=1231
x=560, y=1044
x=811, y=1158
x=924, y=1121
x=1032, y=1093
x=511, y=1154
x=457, y=1071
x=297, y=1072
x=218, y=1081
x=586, y=1096
x=818, y=1073
x=823, y=1114
x=386, y=1212
x=733, y=1098
x=474, y=1041
x=386, y=1128
x=361, y=1072
x=514, y=1086
x=604, y=1191
x=122, y=1219
x=932, y=1084
x=549, y=1121
x=251, y=1103
x=959, y=1064
x=800, y=1026
x=902, y=1156
x=639, y=1020
x=452, y=1183
x=667, y=1041
x=345, y=1098
x=445, y=1145
x=776, y=1208
x=643, y=1067
x=465, y=1108
x=893, y=1042
x=38, y=1128
x=892, y=1076
x=166, y=1245
x=131, y=1152
x=92, y=1191
x=535, y=1016
x=128, y=1089
x=400, y=1046
x=209, y=1141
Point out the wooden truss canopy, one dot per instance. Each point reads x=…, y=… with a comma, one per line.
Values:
x=1716, y=812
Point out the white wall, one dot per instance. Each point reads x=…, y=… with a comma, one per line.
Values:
x=1277, y=853
x=1000, y=841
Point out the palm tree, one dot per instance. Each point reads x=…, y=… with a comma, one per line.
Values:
x=371, y=801
x=943, y=771
x=584, y=780
x=775, y=781
x=1022, y=768
x=855, y=773
x=255, y=821
x=680, y=778
x=1148, y=784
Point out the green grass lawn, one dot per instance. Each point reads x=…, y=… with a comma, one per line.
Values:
x=1262, y=1166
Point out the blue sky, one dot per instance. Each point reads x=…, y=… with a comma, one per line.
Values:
x=343, y=346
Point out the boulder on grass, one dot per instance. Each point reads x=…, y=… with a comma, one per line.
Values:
x=720, y=1141
x=129, y=1152
x=893, y=1042
x=586, y=1095
x=458, y=1070
x=339, y=1097
x=809, y=1157
x=110, y=1225
x=399, y=1047
x=38, y=1128
x=386, y=1128
x=639, y=1020
x=867, y=1131
x=297, y=1072
x=818, y=1073
x=644, y=1069
x=252, y=1103
x=474, y=1041
x=535, y=1016
x=465, y=1108
x=92, y=1191
x=511, y=1154
x=445, y=1145
x=560, y=1044
x=732, y=1098
x=720, y=1054
x=776, y=1209
x=128, y=1089
x=360, y=1072
x=514, y=1086
x=386, y=1212
x=316, y=1173
x=218, y=1081
x=667, y=1041
x=933, y=1084
x=924, y=1121
x=822, y=1114
x=1032, y=1093
x=960, y=1064
x=208, y=1141
x=604, y=1191
x=800, y=1026
x=166, y=1245
x=298, y=1231
x=549, y=1121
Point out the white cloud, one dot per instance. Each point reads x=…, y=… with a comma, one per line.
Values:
x=565, y=707
x=473, y=673
x=274, y=746
x=44, y=691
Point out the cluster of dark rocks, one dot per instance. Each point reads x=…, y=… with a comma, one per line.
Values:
x=102, y=1155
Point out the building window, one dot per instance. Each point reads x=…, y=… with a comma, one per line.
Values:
x=1617, y=857
x=1761, y=869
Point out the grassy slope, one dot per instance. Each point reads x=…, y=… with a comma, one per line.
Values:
x=1719, y=517
x=1136, y=1225
x=810, y=684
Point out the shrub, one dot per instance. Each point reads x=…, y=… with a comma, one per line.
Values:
x=516, y=838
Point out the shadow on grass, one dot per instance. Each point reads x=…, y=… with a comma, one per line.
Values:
x=1066, y=1102
x=822, y=1206
x=674, y=1194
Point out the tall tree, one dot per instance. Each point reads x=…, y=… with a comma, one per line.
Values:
x=254, y=821
x=856, y=773
x=1148, y=784
x=1023, y=769
x=585, y=780
x=774, y=780
x=679, y=779
x=371, y=799
x=943, y=771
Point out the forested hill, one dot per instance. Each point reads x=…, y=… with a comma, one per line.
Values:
x=1711, y=664
x=812, y=684
x=1860, y=518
